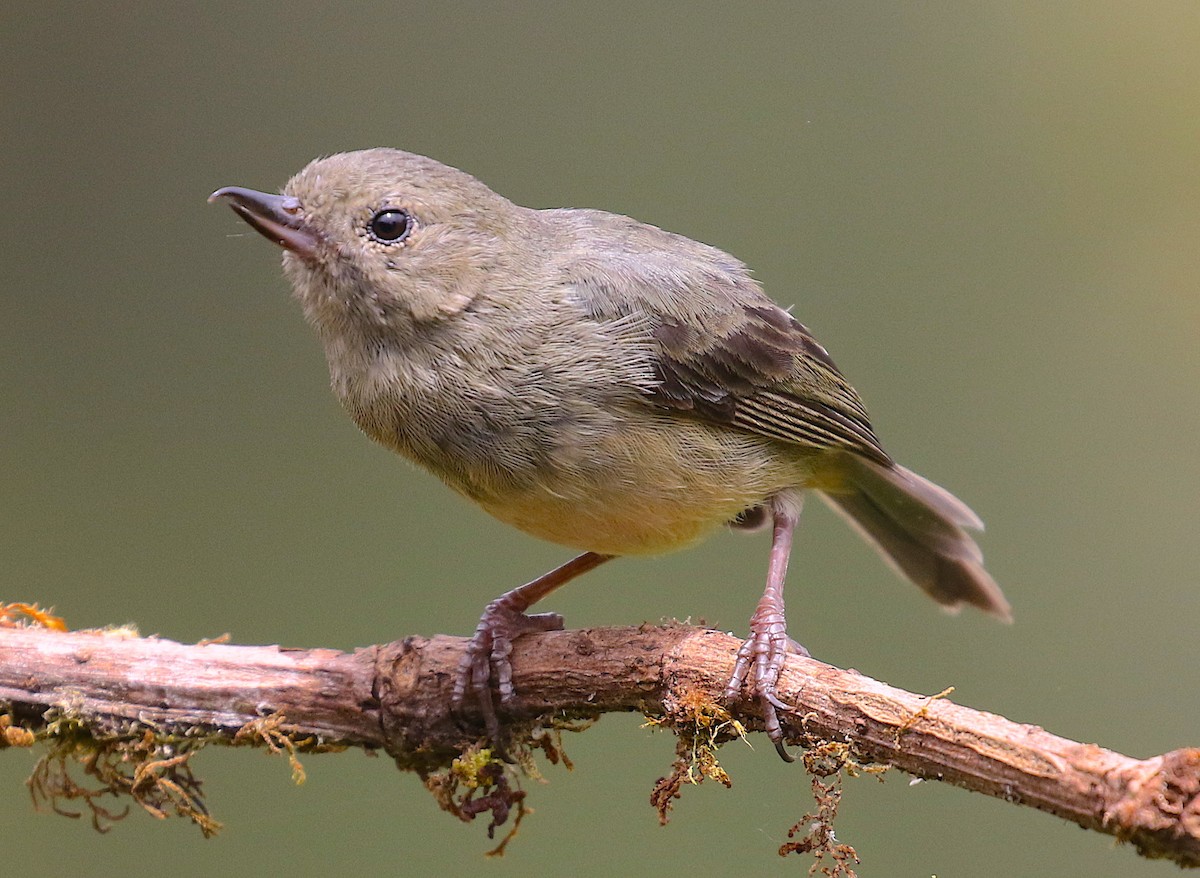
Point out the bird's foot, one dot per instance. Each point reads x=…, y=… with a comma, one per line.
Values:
x=759, y=664
x=487, y=657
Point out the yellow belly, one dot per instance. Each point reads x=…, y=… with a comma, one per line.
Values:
x=655, y=488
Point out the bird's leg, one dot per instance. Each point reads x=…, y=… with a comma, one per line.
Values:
x=764, y=652
x=502, y=622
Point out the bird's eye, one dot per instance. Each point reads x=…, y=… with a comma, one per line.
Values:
x=390, y=226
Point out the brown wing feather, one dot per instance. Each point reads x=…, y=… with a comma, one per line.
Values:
x=764, y=373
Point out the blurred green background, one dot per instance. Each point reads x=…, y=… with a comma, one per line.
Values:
x=988, y=213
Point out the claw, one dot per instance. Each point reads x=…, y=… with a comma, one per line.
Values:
x=781, y=749
x=760, y=659
x=765, y=653
x=488, y=654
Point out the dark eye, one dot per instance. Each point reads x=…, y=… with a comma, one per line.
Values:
x=390, y=226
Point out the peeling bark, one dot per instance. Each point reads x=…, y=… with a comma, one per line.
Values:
x=395, y=697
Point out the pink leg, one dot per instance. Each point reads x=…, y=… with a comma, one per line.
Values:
x=769, y=644
x=502, y=622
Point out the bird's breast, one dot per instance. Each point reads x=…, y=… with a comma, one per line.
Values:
x=591, y=465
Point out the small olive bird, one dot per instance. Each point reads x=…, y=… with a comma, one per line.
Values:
x=594, y=381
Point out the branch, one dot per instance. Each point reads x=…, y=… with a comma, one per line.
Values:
x=167, y=698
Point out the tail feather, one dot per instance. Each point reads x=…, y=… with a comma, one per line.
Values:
x=918, y=527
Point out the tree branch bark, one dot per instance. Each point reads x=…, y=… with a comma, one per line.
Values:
x=114, y=686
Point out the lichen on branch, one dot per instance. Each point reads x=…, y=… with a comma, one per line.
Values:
x=132, y=711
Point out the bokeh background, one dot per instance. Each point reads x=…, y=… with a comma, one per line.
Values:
x=988, y=212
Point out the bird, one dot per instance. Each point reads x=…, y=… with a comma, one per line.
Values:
x=597, y=382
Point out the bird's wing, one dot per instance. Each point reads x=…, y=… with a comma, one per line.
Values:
x=720, y=350
x=761, y=370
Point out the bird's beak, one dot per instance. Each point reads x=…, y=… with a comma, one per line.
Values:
x=277, y=218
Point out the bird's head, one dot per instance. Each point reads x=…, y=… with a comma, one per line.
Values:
x=381, y=240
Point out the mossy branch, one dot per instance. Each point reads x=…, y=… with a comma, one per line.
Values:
x=132, y=709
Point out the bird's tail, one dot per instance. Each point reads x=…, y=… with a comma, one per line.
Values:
x=920, y=529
